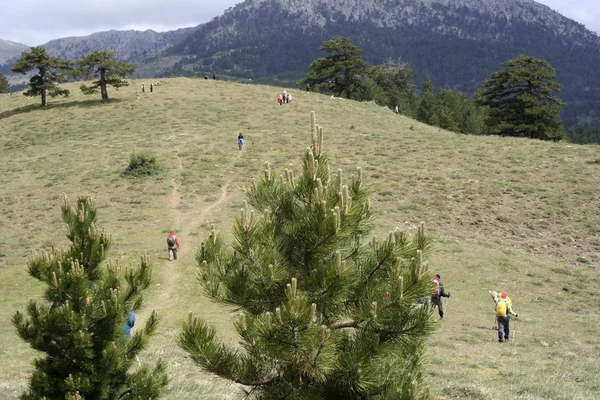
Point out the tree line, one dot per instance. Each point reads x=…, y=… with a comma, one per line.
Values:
x=51, y=71
x=516, y=101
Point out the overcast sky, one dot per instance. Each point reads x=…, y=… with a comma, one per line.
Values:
x=35, y=22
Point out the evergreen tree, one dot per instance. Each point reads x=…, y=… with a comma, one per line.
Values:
x=521, y=101
x=4, y=85
x=395, y=79
x=101, y=64
x=49, y=69
x=325, y=314
x=87, y=355
x=427, y=105
x=341, y=73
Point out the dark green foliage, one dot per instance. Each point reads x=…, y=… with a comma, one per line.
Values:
x=142, y=164
x=394, y=79
x=326, y=313
x=427, y=105
x=341, y=73
x=108, y=71
x=4, y=85
x=521, y=101
x=584, y=135
x=50, y=72
x=79, y=324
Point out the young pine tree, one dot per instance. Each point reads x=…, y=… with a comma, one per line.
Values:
x=326, y=313
x=79, y=325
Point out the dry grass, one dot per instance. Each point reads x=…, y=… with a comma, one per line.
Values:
x=511, y=214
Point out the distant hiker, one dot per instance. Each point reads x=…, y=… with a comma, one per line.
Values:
x=280, y=99
x=143, y=88
x=308, y=87
x=214, y=77
x=503, y=312
x=289, y=98
x=240, y=141
x=173, y=244
x=129, y=324
x=438, y=293
x=396, y=110
x=150, y=88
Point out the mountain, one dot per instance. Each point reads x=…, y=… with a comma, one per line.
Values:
x=128, y=45
x=457, y=42
x=10, y=50
x=140, y=47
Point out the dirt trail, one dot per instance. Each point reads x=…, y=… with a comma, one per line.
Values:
x=186, y=221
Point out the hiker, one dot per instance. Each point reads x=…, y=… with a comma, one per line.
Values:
x=280, y=100
x=129, y=324
x=438, y=292
x=308, y=87
x=173, y=244
x=495, y=296
x=143, y=88
x=397, y=110
x=289, y=98
x=150, y=88
x=240, y=141
x=503, y=312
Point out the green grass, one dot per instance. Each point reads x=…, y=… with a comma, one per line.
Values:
x=510, y=214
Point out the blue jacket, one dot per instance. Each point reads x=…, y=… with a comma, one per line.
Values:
x=129, y=324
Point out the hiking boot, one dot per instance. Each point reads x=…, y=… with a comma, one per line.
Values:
x=500, y=340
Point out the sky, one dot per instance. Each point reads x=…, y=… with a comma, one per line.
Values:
x=35, y=22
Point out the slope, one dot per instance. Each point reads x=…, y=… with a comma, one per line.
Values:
x=509, y=214
x=458, y=43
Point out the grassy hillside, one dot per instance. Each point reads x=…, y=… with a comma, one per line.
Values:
x=507, y=214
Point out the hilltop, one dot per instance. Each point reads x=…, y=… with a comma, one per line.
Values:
x=506, y=213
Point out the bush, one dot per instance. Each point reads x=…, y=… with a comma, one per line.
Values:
x=142, y=164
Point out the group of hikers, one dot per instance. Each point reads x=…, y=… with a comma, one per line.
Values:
x=284, y=98
x=503, y=307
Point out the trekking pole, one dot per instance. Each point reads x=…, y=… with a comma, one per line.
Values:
x=446, y=305
x=515, y=331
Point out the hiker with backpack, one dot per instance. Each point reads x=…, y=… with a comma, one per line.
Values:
x=503, y=312
x=173, y=245
x=438, y=293
x=240, y=141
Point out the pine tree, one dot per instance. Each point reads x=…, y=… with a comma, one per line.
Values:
x=50, y=71
x=521, y=100
x=102, y=65
x=80, y=324
x=427, y=106
x=4, y=85
x=341, y=73
x=325, y=313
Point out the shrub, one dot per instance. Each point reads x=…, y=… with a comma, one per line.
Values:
x=142, y=164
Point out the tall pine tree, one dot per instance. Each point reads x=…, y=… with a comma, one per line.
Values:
x=50, y=72
x=325, y=312
x=342, y=73
x=521, y=100
x=4, y=85
x=101, y=64
x=426, y=112
x=79, y=325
